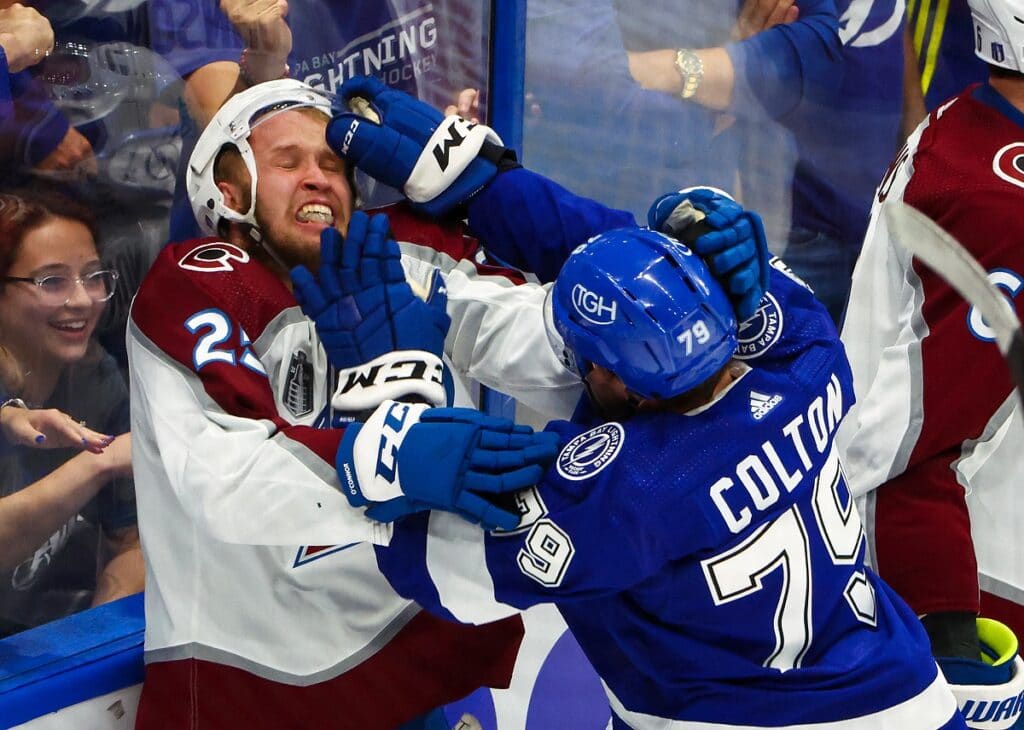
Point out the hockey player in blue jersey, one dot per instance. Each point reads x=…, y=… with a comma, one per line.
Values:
x=696, y=531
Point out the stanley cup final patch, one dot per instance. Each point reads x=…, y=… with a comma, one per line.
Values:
x=298, y=385
x=590, y=452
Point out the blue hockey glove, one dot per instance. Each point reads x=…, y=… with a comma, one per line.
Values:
x=730, y=239
x=410, y=458
x=385, y=341
x=438, y=162
x=988, y=689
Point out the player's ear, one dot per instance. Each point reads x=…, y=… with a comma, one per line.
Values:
x=234, y=198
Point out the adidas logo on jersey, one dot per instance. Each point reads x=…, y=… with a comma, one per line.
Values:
x=761, y=404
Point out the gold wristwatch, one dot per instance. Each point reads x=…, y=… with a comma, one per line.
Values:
x=691, y=70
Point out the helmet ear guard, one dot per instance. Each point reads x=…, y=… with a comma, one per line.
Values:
x=232, y=125
x=641, y=305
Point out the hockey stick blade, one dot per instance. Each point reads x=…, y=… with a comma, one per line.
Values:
x=924, y=238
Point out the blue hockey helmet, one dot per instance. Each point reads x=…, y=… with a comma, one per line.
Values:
x=642, y=305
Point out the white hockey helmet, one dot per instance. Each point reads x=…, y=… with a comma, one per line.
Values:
x=999, y=32
x=232, y=125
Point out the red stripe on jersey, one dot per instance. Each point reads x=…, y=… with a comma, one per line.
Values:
x=429, y=663
x=447, y=237
x=924, y=545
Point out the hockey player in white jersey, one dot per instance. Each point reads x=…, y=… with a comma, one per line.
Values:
x=264, y=604
x=934, y=443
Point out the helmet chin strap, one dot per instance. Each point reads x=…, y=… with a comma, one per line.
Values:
x=255, y=234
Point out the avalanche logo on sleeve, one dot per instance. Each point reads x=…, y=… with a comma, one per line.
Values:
x=590, y=452
x=1009, y=164
x=757, y=334
x=216, y=256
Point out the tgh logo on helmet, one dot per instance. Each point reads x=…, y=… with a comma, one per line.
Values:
x=591, y=306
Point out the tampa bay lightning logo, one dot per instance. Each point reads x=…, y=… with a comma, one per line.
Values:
x=868, y=23
x=757, y=334
x=590, y=452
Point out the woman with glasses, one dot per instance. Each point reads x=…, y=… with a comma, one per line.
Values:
x=68, y=536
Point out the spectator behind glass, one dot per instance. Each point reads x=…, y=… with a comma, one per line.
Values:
x=863, y=98
x=753, y=60
x=429, y=50
x=33, y=132
x=67, y=518
x=123, y=98
x=25, y=39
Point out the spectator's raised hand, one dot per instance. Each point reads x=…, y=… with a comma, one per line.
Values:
x=758, y=15
x=49, y=428
x=73, y=155
x=25, y=35
x=467, y=105
x=263, y=26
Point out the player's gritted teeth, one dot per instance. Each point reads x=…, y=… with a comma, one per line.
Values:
x=315, y=213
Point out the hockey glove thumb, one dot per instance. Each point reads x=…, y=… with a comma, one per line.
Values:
x=438, y=162
x=730, y=239
x=410, y=458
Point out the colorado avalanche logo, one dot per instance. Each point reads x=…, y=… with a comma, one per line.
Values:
x=1008, y=164
x=757, y=334
x=590, y=452
x=216, y=256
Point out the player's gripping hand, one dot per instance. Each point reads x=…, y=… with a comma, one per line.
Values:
x=385, y=341
x=409, y=458
x=438, y=162
x=730, y=239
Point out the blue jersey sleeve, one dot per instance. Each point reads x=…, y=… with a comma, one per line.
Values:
x=784, y=66
x=533, y=224
x=591, y=528
x=5, y=87
x=34, y=127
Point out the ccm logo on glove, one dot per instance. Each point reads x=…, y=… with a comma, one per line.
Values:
x=349, y=136
x=392, y=372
